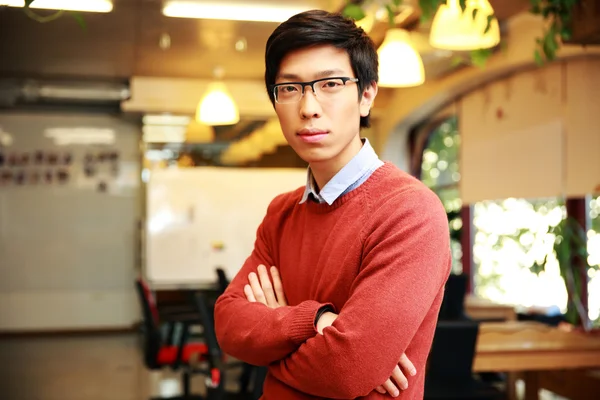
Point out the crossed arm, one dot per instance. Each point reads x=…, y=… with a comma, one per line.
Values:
x=269, y=291
x=350, y=354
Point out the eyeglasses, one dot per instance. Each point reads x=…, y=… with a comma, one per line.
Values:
x=292, y=92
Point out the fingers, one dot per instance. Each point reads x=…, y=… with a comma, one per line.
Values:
x=407, y=365
x=391, y=388
x=267, y=288
x=256, y=288
x=278, y=287
x=249, y=294
x=399, y=377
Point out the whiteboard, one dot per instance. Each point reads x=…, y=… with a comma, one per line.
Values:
x=199, y=219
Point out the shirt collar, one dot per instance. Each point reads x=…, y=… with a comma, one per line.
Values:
x=360, y=164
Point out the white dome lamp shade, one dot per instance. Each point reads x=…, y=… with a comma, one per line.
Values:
x=400, y=65
x=217, y=107
x=453, y=29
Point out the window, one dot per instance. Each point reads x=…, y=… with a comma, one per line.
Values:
x=511, y=235
x=593, y=247
x=440, y=172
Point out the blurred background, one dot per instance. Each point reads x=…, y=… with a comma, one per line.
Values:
x=139, y=151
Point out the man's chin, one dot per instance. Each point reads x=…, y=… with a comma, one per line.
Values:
x=315, y=156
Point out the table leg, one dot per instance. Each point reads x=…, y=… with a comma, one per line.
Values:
x=532, y=385
x=511, y=385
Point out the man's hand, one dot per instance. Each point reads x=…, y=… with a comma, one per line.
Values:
x=262, y=291
x=398, y=376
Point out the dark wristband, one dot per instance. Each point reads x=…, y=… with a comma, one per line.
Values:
x=321, y=311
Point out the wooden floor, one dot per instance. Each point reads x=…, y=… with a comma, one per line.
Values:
x=106, y=367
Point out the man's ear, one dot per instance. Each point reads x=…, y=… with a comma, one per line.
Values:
x=368, y=96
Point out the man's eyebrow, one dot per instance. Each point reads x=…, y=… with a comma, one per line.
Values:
x=318, y=75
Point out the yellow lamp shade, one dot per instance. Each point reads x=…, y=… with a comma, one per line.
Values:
x=453, y=29
x=400, y=65
x=217, y=107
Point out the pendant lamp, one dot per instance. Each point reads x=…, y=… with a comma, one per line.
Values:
x=217, y=107
x=400, y=65
x=453, y=29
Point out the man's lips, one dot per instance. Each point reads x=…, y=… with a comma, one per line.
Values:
x=312, y=135
x=311, y=132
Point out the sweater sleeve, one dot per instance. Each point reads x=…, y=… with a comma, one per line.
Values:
x=253, y=332
x=406, y=261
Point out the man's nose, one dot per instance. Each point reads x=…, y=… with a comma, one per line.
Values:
x=309, y=104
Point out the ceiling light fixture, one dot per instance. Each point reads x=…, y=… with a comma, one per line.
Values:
x=231, y=10
x=217, y=107
x=453, y=29
x=400, y=65
x=102, y=6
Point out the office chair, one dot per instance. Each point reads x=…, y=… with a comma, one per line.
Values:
x=222, y=279
x=249, y=372
x=217, y=359
x=453, y=304
x=188, y=357
x=449, y=374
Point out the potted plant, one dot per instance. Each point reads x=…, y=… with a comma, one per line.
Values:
x=570, y=250
x=561, y=18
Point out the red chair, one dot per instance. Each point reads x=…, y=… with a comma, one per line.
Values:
x=191, y=358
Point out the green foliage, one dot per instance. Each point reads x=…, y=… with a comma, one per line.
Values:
x=479, y=57
x=53, y=16
x=353, y=11
x=429, y=8
x=570, y=250
x=559, y=15
x=440, y=172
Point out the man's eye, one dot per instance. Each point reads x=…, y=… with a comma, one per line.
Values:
x=287, y=88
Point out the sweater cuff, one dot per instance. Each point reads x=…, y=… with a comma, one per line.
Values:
x=302, y=326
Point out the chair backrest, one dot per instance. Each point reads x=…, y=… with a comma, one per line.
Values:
x=223, y=280
x=453, y=350
x=453, y=304
x=152, y=338
x=205, y=304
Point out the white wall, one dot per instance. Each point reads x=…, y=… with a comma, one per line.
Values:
x=533, y=134
x=68, y=252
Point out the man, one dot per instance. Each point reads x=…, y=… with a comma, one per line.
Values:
x=357, y=260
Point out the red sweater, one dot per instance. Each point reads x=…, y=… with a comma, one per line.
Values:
x=379, y=254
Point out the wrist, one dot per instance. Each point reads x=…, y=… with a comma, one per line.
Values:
x=326, y=319
x=321, y=311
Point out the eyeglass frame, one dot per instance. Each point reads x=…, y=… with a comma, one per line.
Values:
x=344, y=79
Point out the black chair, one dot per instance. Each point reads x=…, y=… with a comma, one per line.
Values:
x=217, y=359
x=449, y=374
x=222, y=279
x=453, y=304
x=250, y=373
x=191, y=358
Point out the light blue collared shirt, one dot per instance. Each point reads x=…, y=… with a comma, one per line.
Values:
x=351, y=176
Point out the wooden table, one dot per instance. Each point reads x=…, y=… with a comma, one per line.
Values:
x=484, y=309
x=530, y=347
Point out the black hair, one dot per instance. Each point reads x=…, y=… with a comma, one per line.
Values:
x=318, y=27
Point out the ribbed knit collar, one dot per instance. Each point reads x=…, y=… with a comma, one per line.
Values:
x=377, y=175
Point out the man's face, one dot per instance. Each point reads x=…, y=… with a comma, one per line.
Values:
x=323, y=128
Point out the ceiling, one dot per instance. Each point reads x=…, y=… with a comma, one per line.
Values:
x=136, y=39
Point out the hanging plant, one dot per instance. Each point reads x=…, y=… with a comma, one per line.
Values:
x=570, y=250
x=51, y=17
x=557, y=14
